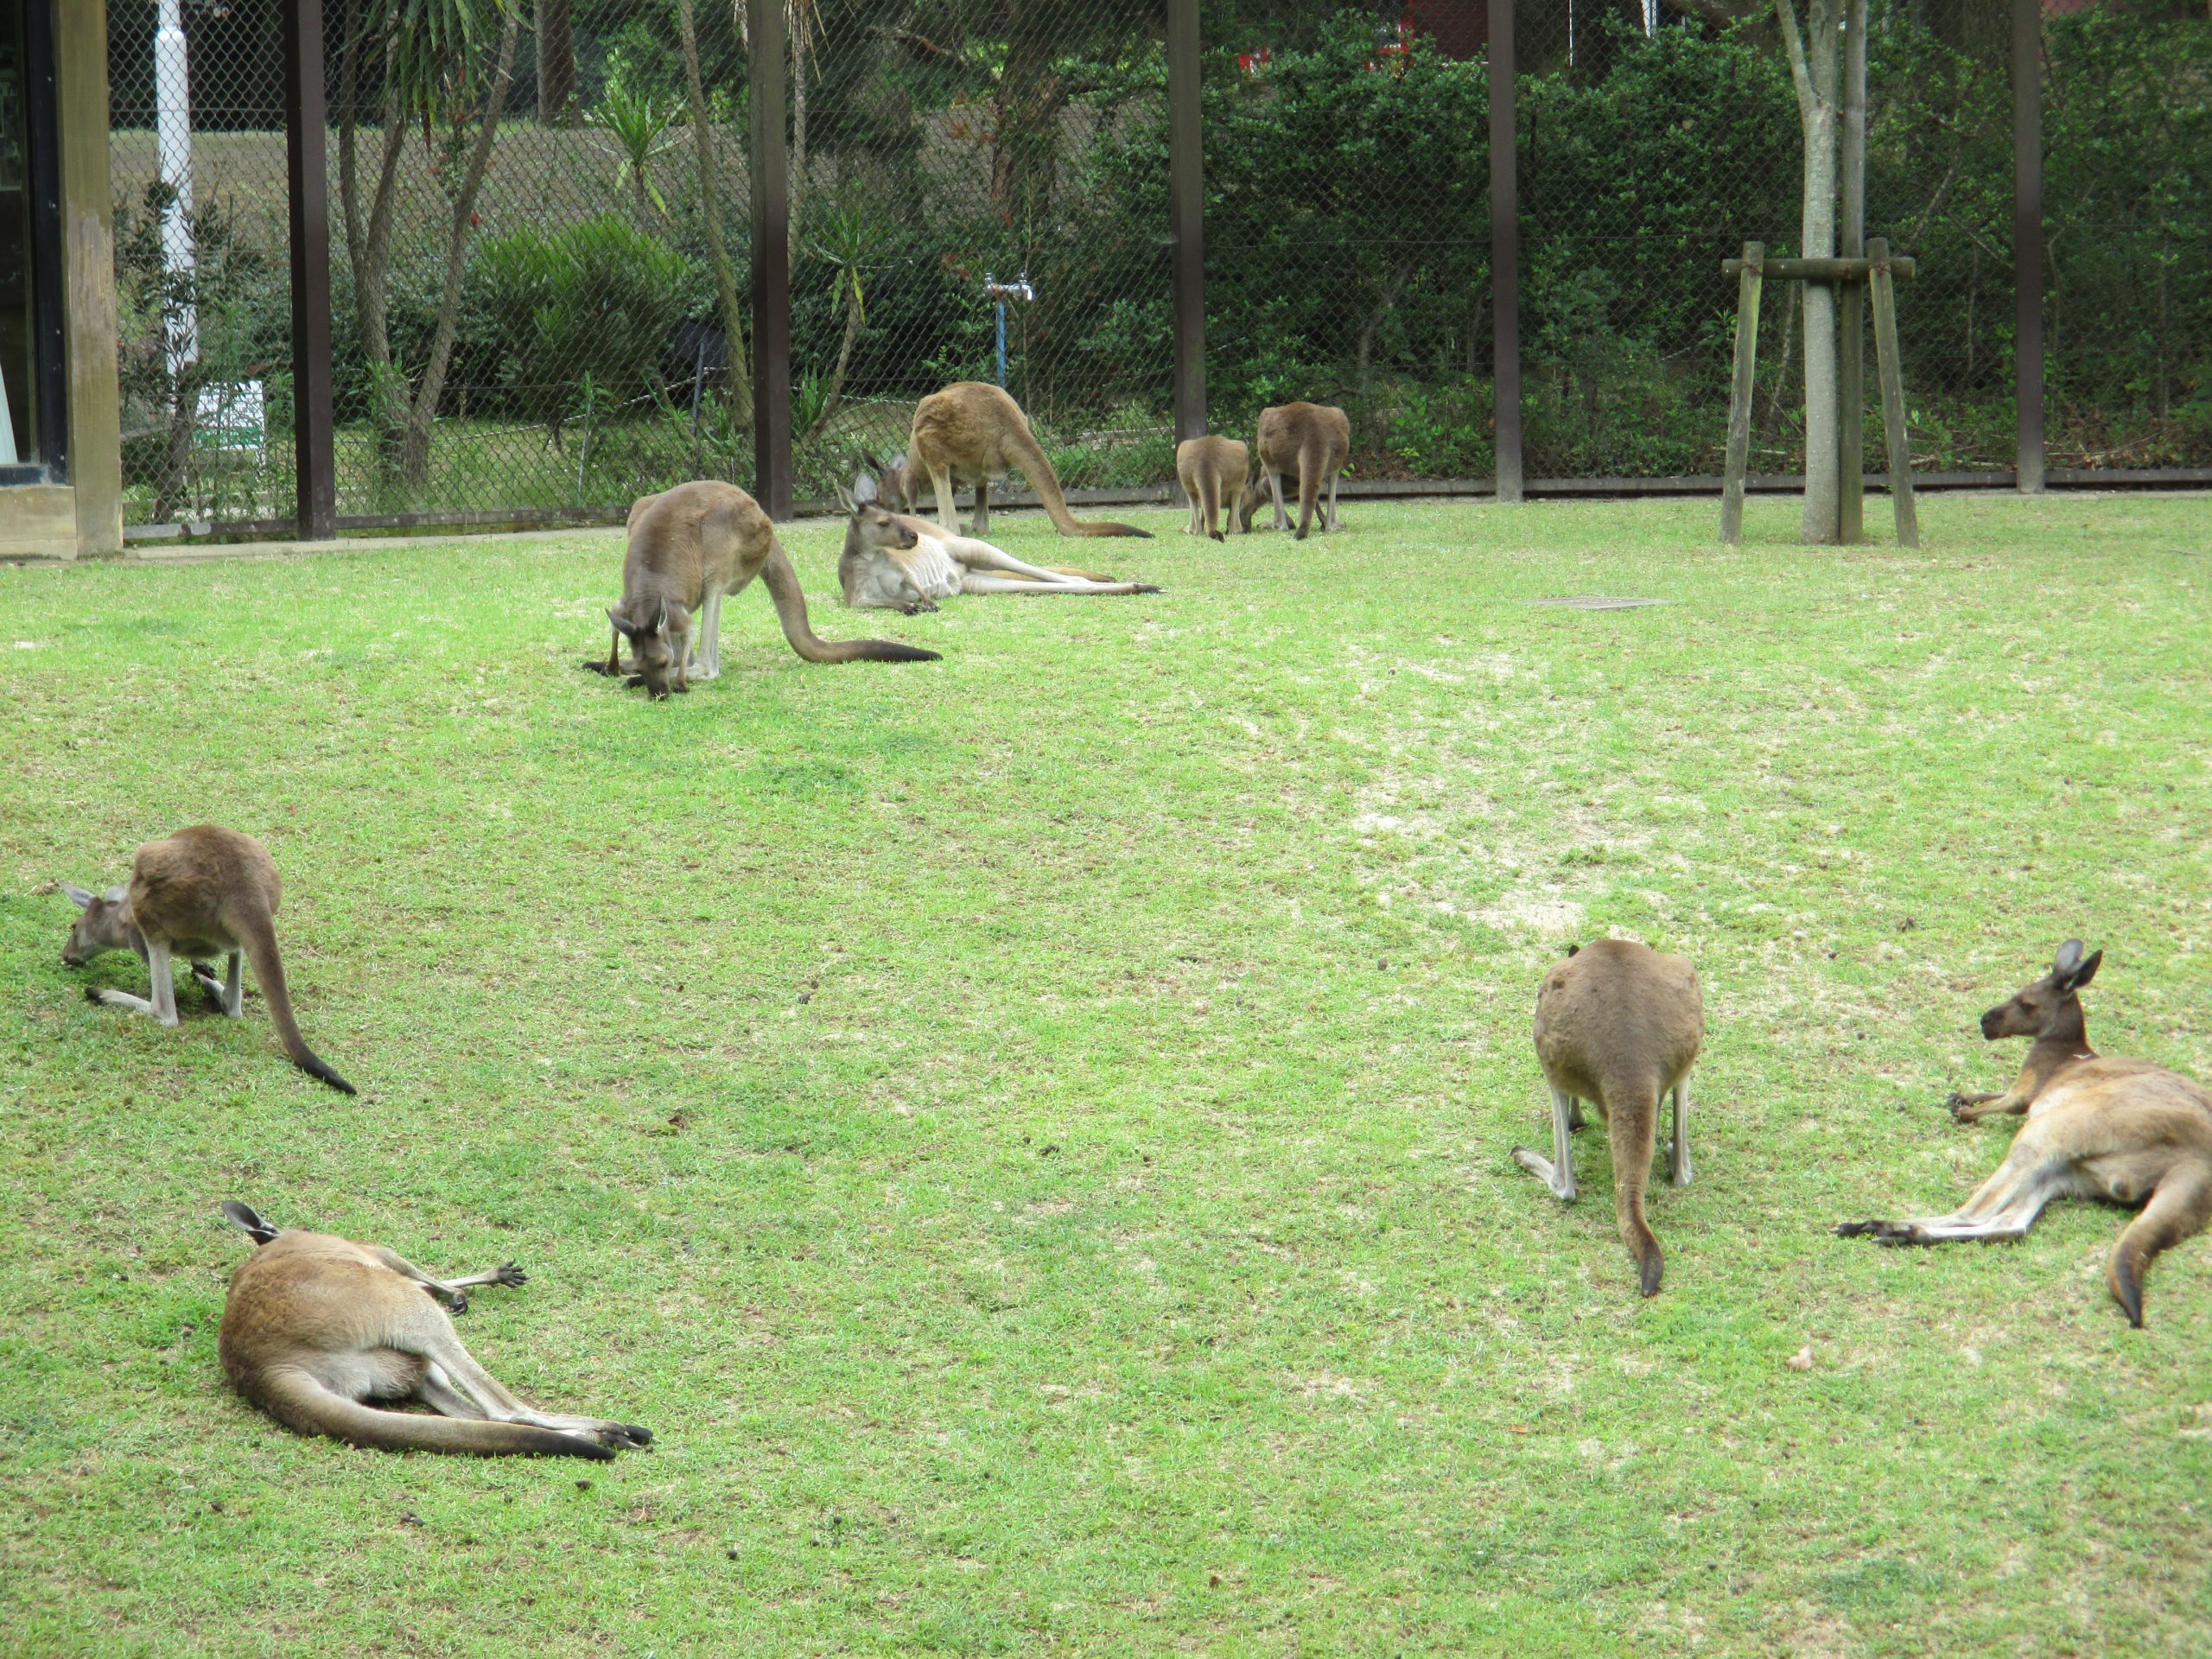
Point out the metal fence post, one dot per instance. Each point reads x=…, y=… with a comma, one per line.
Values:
x=2027, y=243
x=1504, y=253
x=772, y=270
x=1187, y=215
x=307, y=179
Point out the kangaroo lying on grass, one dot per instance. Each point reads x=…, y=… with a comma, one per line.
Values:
x=1212, y=472
x=316, y=1324
x=895, y=561
x=201, y=894
x=1619, y=1025
x=2123, y=1130
x=1308, y=442
x=971, y=433
x=689, y=546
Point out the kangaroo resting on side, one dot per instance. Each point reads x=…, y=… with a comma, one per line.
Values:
x=1309, y=443
x=201, y=894
x=1619, y=1025
x=316, y=1324
x=971, y=433
x=895, y=561
x=2122, y=1130
x=689, y=546
x=1212, y=472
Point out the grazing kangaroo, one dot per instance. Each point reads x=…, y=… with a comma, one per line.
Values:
x=1211, y=472
x=201, y=894
x=971, y=433
x=1308, y=442
x=895, y=561
x=316, y=1324
x=688, y=547
x=2122, y=1130
x=1619, y=1025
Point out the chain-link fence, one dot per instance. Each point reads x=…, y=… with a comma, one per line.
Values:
x=541, y=252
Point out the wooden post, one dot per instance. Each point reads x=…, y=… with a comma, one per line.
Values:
x=1504, y=254
x=1187, y=217
x=1739, y=394
x=307, y=177
x=90, y=307
x=1850, y=297
x=771, y=265
x=2027, y=246
x=48, y=390
x=1886, y=365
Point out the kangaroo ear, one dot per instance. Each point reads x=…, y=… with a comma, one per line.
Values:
x=242, y=1217
x=115, y=894
x=2069, y=958
x=2083, y=975
x=1572, y=948
x=864, y=489
x=660, y=619
x=78, y=896
x=621, y=624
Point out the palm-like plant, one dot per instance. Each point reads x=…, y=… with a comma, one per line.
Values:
x=640, y=125
x=848, y=239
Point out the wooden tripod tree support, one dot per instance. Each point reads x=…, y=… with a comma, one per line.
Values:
x=1880, y=273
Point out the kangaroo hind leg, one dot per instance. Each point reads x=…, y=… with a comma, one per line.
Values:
x=2179, y=1207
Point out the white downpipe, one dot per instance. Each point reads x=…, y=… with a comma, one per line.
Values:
x=172, y=145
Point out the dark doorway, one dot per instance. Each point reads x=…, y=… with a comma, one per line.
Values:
x=34, y=440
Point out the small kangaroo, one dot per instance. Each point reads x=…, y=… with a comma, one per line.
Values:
x=689, y=546
x=971, y=433
x=203, y=892
x=895, y=561
x=1308, y=442
x=1619, y=1025
x=2121, y=1130
x=1212, y=472
x=316, y=1324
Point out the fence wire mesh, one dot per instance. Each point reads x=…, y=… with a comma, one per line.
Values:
x=541, y=245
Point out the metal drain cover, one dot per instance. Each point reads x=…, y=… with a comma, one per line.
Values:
x=1598, y=602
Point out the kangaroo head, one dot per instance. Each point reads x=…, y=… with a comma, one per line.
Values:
x=2047, y=1003
x=653, y=648
x=887, y=488
x=103, y=924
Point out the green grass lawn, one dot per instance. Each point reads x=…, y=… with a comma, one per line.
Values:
x=1030, y=1132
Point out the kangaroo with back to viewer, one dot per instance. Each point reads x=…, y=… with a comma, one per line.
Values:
x=2123, y=1130
x=1212, y=471
x=1619, y=1025
x=203, y=892
x=896, y=562
x=971, y=433
x=1308, y=442
x=315, y=1325
x=688, y=547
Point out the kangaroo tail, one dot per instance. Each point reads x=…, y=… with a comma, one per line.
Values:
x=1209, y=500
x=1311, y=460
x=297, y=1401
x=258, y=934
x=782, y=582
x=1039, y=470
x=1632, y=1124
x=2179, y=1205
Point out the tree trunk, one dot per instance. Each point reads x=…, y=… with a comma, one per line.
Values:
x=414, y=449
x=702, y=135
x=368, y=235
x=1815, y=67
x=844, y=359
x=1030, y=96
x=557, y=64
x=795, y=186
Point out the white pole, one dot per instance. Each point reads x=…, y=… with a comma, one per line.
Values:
x=173, y=142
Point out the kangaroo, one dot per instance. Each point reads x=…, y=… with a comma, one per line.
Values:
x=896, y=562
x=689, y=546
x=971, y=433
x=1211, y=472
x=2123, y=1130
x=1619, y=1025
x=202, y=892
x=1310, y=441
x=316, y=1324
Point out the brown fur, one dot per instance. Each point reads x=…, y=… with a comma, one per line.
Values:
x=203, y=892
x=973, y=433
x=1212, y=472
x=315, y=1325
x=688, y=547
x=1619, y=1025
x=1307, y=441
x=2126, y=1131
